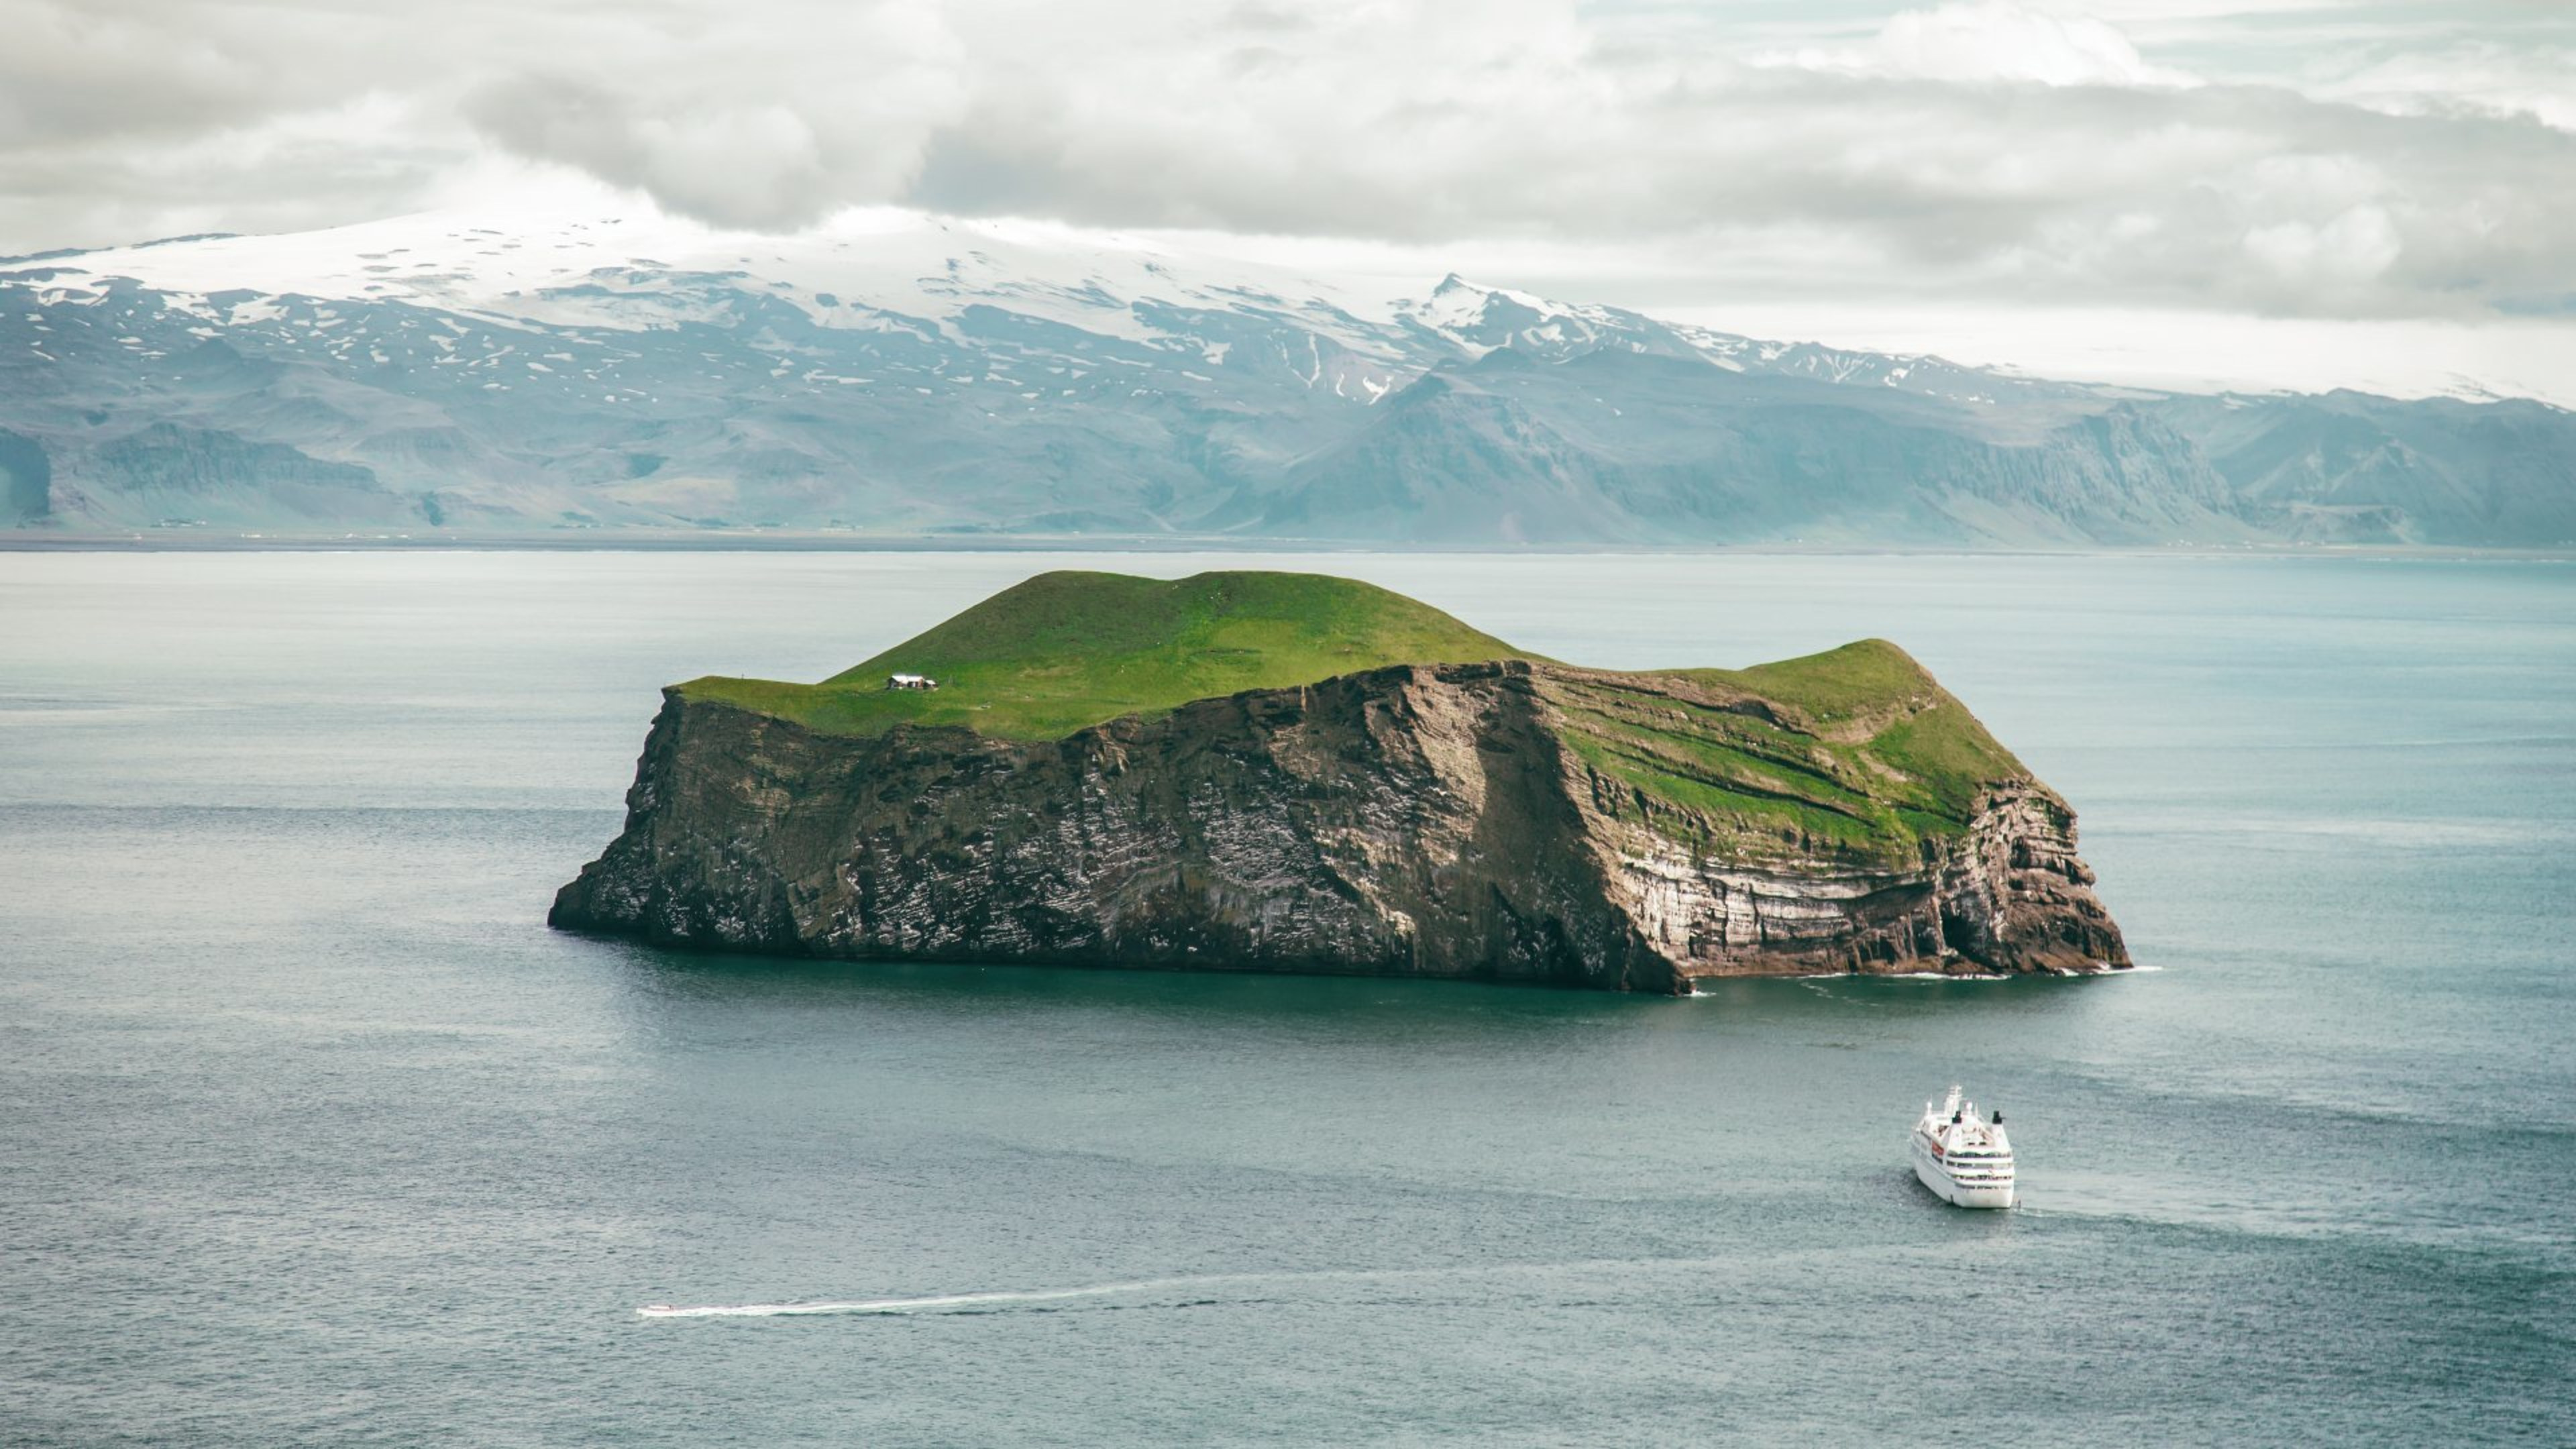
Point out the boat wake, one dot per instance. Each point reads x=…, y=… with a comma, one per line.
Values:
x=946, y=1302
x=1187, y=1292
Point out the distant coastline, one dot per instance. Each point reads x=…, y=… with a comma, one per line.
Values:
x=443, y=376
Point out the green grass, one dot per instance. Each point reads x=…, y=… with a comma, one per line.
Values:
x=1869, y=757
x=1838, y=685
x=1865, y=755
x=1066, y=650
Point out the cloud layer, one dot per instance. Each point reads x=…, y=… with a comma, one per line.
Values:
x=2120, y=154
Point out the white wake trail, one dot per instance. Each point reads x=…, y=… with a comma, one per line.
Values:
x=941, y=1301
x=1168, y=1287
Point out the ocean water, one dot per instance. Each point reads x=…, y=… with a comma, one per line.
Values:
x=310, y=1133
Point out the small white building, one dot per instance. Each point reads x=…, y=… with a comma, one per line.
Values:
x=911, y=681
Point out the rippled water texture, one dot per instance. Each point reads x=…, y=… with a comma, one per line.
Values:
x=311, y=1133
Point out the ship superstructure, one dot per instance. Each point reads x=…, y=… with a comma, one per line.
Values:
x=1963, y=1157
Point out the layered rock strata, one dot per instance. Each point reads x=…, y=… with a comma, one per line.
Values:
x=1479, y=821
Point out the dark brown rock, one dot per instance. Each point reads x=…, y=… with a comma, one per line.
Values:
x=1416, y=821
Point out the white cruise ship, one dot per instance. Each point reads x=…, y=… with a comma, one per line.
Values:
x=1963, y=1157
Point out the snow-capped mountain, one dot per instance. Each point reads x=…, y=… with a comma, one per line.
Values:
x=897, y=374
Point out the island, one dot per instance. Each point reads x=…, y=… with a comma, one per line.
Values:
x=1262, y=771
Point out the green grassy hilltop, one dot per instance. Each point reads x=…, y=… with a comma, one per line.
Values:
x=1064, y=650
x=1856, y=750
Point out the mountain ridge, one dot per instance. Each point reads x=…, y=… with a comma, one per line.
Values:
x=900, y=377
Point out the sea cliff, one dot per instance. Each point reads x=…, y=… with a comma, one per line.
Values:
x=1511, y=819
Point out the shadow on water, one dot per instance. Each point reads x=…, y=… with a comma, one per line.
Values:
x=1243, y=999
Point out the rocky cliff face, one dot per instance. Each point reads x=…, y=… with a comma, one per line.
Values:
x=1451, y=820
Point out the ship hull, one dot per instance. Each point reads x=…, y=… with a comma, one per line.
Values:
x=1949, y=1189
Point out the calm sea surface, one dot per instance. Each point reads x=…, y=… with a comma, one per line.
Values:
x=311, y=1133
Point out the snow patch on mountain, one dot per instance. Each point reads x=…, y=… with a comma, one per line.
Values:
x=893, y=271
x=656, y=271
x=897, y=373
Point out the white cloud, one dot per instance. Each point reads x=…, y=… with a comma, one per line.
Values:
x=2356, y=246
x=2191, y=349
x=2013, y=152
x=748, y=122
x=1994, y=40
x=2476, y=75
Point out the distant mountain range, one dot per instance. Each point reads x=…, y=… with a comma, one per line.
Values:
x=893, y=375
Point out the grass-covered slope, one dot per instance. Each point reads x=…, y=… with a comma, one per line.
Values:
x=1069, y=649
x=1856, y=751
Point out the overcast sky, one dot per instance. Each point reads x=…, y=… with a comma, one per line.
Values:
x=2287, y=187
